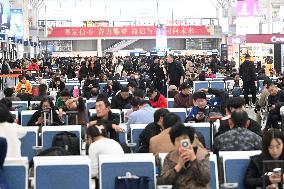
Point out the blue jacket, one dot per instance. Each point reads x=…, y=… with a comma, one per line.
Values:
x=193, y=113
x=3, y=152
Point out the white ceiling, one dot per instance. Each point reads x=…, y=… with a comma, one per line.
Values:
x=126, y=10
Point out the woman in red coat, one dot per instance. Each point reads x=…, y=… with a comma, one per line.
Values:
x=157, y=100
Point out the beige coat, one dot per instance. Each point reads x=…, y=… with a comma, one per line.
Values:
x=161, y=143
x=195, y=175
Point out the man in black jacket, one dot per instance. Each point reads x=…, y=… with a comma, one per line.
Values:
x=90, y=83
x=151, y=130
x=122, y=99
x=248, y=75
x=175, y=71
x=275, y=102
x=105, y=117
x=232, y=105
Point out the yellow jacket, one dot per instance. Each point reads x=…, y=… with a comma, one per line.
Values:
x=28, y=90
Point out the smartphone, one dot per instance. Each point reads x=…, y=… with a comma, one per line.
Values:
x=185, y=143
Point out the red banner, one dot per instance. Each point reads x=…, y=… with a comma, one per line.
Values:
x=265, y=38
x=128, y=31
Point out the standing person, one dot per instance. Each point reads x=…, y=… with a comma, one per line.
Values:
x=175, y=71
x=248, y=75
x=157, y=73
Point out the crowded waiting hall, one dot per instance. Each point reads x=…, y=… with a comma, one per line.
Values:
x=152, y=94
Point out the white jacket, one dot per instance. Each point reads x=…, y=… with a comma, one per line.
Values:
x=12, y=132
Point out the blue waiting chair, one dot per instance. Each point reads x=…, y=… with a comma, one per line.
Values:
x=26, y=115
x=197, y=85
x=170, y=102
x=235, y=165
x=112, y=166
x=90, y=104
x=181, y=112
x=28, y=141
x=217, y=84
x=48, y=132
x=20, y=105
x=204, y=129
x=16, y=172
x=56, y=172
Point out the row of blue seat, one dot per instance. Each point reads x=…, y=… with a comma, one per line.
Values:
x=59, y=172
x=47, y=133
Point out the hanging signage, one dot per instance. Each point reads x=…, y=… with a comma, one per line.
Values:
x=265, y=38
x=127, y=31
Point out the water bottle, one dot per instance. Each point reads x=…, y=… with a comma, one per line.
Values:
x=76, y=91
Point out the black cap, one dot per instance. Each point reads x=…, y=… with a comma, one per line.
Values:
x=247, y=56
x=185, y=86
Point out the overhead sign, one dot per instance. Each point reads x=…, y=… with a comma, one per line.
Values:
x=246, y=8
x=265, y=38
x=132, y=31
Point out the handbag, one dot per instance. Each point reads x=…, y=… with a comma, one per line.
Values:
x=132, y=182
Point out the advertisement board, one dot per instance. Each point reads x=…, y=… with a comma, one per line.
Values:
x=5, y=14
x=17, y=27
x=246, y=8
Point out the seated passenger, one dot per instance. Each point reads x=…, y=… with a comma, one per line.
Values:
x=60, y=102
x=184, y=98
x=198, y=112
x=12, y=132
x=272, y=149
x=246, y=139
x=187, y=166
x=24, y=87
x=9, y=94
x=157, y=100
x=3, y=152
x=233, y=105
x=151, y=130
x=42, y=93
x=161, y=143
x=107, y=118
x=38, y=119
x=172, y=91
x=76, y=105
x=144, y=115
x=122, y=99
x=57, y=84
x=90, y=84
x=100, y=144
x=275, y=102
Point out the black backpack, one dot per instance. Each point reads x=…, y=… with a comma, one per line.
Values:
x=68, y=141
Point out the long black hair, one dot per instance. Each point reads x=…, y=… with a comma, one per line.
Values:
x=266, y=141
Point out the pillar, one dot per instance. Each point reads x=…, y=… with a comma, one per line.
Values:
x=99, y=48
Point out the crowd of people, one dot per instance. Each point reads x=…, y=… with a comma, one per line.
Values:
x=150, y=81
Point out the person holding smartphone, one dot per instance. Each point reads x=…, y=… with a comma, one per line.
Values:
x=188, y=165
x=272, y=149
